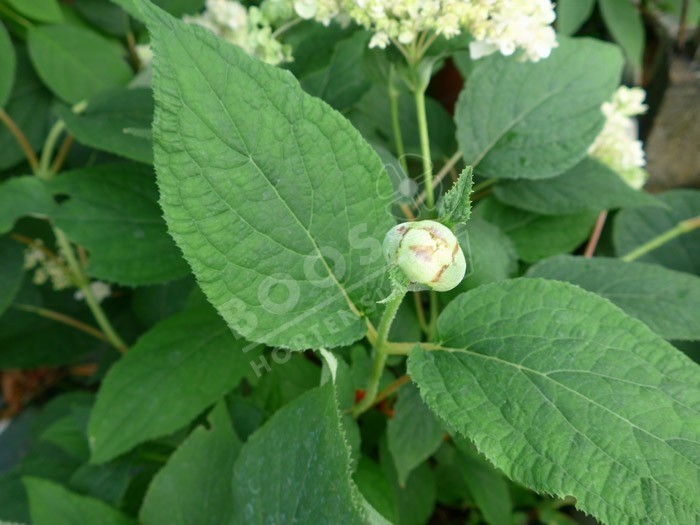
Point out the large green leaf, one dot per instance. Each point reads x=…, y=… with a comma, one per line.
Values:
x=196, y=484
x=20, y=196
x=7, y=65
x=29, y=107
x=174, y=372
x=276, y=201
x=11, y=271
x=665, y=300
x=635, y=227
x=626, y=25
x=41, y=10
x=562, y=391
x=52, y=504
x=110, y=121
x=113, y=212
x=76, y=63
x=571, y=15
x=523, y=120
x=537, y=236
x=295, y=469
x=413, y=434
x=589, y=185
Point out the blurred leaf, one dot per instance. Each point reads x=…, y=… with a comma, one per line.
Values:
x=104, y=123
x=52, y=504
x=637, y=226
x=375, y=487
x=625, y=23
x=665, y=300
x=76, y=63
x=196, y=484
x=537, y=236
x=525, y=120
x=174, y=372
x=154, y=303
x=11, y=271
x=48, y=11
x=113, y=212
x=572, y=14
x=8, y=63
x=589, y=185
x=20, y=196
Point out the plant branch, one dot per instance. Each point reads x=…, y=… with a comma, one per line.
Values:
x=440, y=175
x=420, y=313
x=425, y=147
x=82, y=282
x=62, y=318
x=393, y=387
x=47, y=151
x=20, y=138
x=57, y=163
x=380, y=355
x=679, y=229
x=595, y=236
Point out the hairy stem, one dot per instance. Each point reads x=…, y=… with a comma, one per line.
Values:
x=679, y=229
x=380, y=355
x=82, y=282
x=20, y=138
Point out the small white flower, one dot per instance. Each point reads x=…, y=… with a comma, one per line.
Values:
x=618, y=145
x=100, y=291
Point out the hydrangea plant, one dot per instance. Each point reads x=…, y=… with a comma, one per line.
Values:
x=252, y=272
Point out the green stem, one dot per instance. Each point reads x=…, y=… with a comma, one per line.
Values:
x=21, y=139
x=434, y=312
x=62, y=318
x=14, y=16
x=679, y=229
x=44, y=170
x=483, y=185
x=380, y=355
x=395, y=124
x=425, y=147
x=82, y=282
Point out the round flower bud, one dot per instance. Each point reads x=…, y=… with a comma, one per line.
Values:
x=428, y=254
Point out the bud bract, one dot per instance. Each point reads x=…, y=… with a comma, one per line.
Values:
x=428, y=254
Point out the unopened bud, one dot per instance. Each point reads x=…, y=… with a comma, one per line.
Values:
x=428, y=254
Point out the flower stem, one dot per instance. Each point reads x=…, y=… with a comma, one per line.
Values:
x=425, y=147
x=82, y=282
x=20, y=138
x=595, y=236
x=679, y=229
x=62, y=318
x=380, y=355
x=395, y=124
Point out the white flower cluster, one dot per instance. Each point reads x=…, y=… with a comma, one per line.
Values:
x=247, y=28
x=46, y=267
x=497, y=25
x=618, y=145
x=100, y=291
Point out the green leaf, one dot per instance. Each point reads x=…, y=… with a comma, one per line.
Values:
x=490, y=253
x=48, y=11
x=112, y=211
x=11, y=271
x=8, y=63
x=589, y=185
x=624, y=21
x=537, y=236
x=567, y=395
x=29, y=107
x=196, y=484
x=52, y=504
x=455, y=207
x=413, y=434
x=174, y=372
x=665, y=300
x=76, y=63
x=295, y=469
x=276, y=201
x=571, y=15
x=487, y=486
x=151, y=304
x=21, y=196
x=342, y=82
x=375, y=487
x=104, y=123
x=106, y=16
x=635, y=227
x=523, y=120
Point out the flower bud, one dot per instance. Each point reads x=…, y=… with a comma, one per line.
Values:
x=428, y=254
